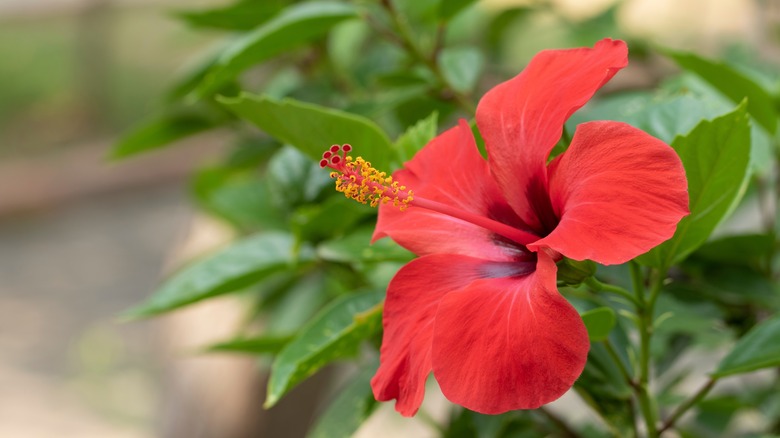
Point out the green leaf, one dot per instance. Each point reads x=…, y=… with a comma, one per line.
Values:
x=461, y=67
x=750, y=250
x=164, y=129
x=241, y=198
x=334, y=333
x=312, y=128
x=716, y=156
x=599, y=323
x=332, y=217
x=294, y=178
x=355, y=248
x=238, y=266
x=664, y=117
x=242, y=15
x=450, y=8
x=415, y=137
x=759, y=349
x=294, y=26
x=733, y=84
x=353, y=405
x=257, y=345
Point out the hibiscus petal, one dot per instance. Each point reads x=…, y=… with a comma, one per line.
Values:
x=412, y=299
x=522, y=118
x=508, y=343
x=451, y=171
x=618, y=192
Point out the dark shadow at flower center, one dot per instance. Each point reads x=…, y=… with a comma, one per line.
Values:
x=517, y=268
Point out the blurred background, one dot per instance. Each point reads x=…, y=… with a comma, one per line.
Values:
x=82, y=239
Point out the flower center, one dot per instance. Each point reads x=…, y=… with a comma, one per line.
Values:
x=365, y=184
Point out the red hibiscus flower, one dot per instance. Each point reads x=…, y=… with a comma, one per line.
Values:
x=480, y=307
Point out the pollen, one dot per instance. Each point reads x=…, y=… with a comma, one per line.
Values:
x=358, y=180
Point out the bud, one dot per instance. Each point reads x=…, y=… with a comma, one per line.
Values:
x=572, y=273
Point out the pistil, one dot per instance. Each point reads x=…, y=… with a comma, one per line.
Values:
x=365, y=184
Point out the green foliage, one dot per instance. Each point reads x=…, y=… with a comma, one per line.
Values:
x=599, y=323
x=734, y=85
x=759, y=349
x=172, y=125
x=353, y=405
x=242, y=15
x=294, y=26
x=312, y=128
x=256, y=345
x=236, y=267
x=333, y=334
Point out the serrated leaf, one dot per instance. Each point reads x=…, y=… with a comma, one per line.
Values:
x=415, y=137
x=312, y=128
x=353, y=405
x=242, y=15
x=758, y=349
x=236, y=267
x=162, y=130
x=256, y=345
x=733, y=84
x=599, y=323
x=461, y=67
x=333, y=334
x=294, y=26
x=716, y=156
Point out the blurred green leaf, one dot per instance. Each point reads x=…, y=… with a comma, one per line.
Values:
x=355, y=247
x=173, y=124
x=450, y=8
x=295, y=25
x=242, y=15
x=750, y=250
x=599, y=323
x=236, y=267
x=716, y=156
x=759, y=349
x=241, y=198
x=294, y=178
x=733, y=84
x=312, y=128
x=461, y=67
x=333, y=334
x=257, y=345
x=333, y=217
x=664, y=117
x=347, y=412
x=296, y=304
x=415, y=137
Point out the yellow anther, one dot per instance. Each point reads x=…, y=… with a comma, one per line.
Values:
x=358, y=180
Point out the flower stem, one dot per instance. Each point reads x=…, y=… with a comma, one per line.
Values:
x=645, y=311
x=683, y=408
x=598, y=286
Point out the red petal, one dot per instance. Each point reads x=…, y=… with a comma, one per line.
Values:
x=449, y=170
x=412, y=299
x=522, y=118
x=508, y=343
x=618, y=193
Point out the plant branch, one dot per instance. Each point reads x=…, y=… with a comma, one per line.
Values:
x=683, y=408
x=598, y=286
x=404, y=39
